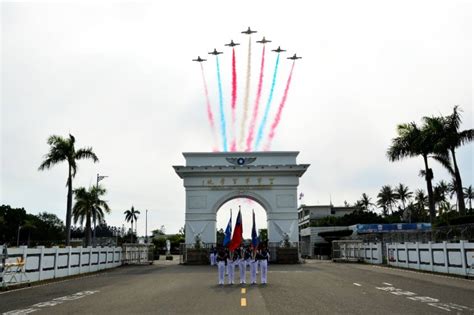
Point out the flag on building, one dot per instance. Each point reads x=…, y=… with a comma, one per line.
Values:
x=228, y=231
x=255, y=239
x=237, y=236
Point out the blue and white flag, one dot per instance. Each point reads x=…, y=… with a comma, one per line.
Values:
x=255, y=239
x=228, y=231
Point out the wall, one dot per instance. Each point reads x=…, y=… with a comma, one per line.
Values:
x=48, y=263
x=443, y=257
x=367, y=252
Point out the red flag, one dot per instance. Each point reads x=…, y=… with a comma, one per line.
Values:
x=237, y=237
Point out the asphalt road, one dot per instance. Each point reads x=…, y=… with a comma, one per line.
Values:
x=312, y=288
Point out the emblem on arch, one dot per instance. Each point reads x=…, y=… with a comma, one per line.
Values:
x=241, y=160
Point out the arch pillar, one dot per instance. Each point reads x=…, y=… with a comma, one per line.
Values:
x=269, y=178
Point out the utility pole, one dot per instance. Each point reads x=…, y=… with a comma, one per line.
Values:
x=18, y=237
x=146, y=226
x=99, y=178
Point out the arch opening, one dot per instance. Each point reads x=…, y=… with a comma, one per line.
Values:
x=246, y=206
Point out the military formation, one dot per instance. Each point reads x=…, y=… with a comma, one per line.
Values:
x=245, y=258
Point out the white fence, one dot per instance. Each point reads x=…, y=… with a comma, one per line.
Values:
x=455, y=258
x=137, y=253
x=357, y=251
x=47, y=263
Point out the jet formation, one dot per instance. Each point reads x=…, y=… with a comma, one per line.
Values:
x=248, y=31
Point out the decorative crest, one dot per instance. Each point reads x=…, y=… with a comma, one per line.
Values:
x=241, y=160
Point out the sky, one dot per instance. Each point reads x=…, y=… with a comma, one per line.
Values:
x=119, y=77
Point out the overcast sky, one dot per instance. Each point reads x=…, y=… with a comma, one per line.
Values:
x=119, y=77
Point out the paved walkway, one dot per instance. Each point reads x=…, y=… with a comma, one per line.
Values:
x=312, y=288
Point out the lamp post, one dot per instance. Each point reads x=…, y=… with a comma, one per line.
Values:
x=18, y=237
x=146, y=226
x=99, y=178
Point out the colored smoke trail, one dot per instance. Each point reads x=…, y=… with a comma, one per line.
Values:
x=256, y=105
x=267, y=108
x=280, y=109
x=233, y=146
x=247, y=93
x=221, y=106
x=210, y=115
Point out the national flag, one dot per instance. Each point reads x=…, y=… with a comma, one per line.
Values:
x=255, y=239
x=228, y=231
x=237, y=236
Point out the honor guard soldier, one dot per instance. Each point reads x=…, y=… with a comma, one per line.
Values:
x=263, y=256
x=242, y=264
x=231, y=267
x=212, y=256
x=253, y=268
x=221, y=262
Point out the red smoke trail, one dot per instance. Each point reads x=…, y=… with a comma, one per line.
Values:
x=210, y=115
x=280, y=109
x=233, y=146
x=255, y=106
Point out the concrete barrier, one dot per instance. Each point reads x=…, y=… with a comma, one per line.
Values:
x=454, y=258
x=48, y=263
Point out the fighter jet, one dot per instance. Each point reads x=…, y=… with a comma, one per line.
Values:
x=199, y=59
x=263, y=41
x=278, y=50
x=249, y=31
x=215, y=52
x=294, y=57
x=232, y=44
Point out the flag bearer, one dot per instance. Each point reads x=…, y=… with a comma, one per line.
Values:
x=253, y=268
x=212, y=256
x=221, y=261
x=230, y=267
x=263, y=257
x=242, y=264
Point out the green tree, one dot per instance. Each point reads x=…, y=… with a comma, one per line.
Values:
x=89, y=207
x=386, y=199
x=365, y=203
x=469, y=195
x=448, y=138
x=61, y=150
x=403, y=194
x=411, y=142
x=131, y=216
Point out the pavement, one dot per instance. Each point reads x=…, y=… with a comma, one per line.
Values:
x=316, y=287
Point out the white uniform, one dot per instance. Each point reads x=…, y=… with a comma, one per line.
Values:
x=242, y=269
x=221, y=271
x=264, y=268
x=253, y=271
x=230, y=271
x=212, y=257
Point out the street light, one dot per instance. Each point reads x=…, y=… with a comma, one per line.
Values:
x=99, y=178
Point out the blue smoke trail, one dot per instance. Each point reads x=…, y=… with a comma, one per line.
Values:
x=221, y=105
x=267, y=108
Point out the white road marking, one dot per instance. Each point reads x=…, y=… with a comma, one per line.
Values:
x=54, y=302
x=357, y=284
x=386, y=283
x=425, y=299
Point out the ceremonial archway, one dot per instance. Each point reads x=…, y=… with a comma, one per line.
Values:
x=269, y=178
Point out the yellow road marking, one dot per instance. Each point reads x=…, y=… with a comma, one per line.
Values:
x=243, y=290
x=243, y=302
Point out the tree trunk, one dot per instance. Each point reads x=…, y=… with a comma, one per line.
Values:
x=131, y=233
x=459, y=192
x=429, y=177
x=88, y=230
x=69, y=207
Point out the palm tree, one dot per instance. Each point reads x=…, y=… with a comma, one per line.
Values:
x=131, y=215
x=440, y=196
x=421, y=202
x=60, y=150
x=469, y=195
x=89, y=207
x=411, y=142
x=403, y=194
x=386, y=199
x=365, y=202
x=448, y=139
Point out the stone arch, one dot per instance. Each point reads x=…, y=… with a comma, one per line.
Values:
x=238, y=194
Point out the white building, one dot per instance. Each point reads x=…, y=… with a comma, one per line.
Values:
x=311, y=243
